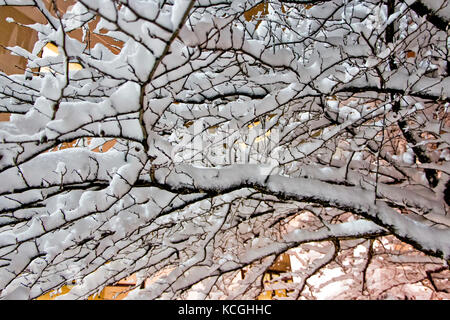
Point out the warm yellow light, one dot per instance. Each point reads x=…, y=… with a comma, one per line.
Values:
x=51, y=50
x=75, y=66
x=254, y=124
x=262, y=137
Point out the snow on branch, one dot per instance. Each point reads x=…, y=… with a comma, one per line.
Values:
x=193, y=145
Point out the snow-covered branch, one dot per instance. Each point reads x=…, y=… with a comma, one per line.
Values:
x=193, y=143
